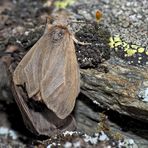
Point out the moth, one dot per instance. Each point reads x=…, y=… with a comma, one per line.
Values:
x=49, y=72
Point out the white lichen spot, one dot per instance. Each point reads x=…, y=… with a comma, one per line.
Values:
x=77, y=144
x=128, y=143
x=19, y=42
x=95, y=102
x=68, y=145
x=7, y=132
x=26, y=33
x=49, y=146
x=92, y=140
x=53, y=145
x=103, y=136
x=144, y=94
x=70, y=133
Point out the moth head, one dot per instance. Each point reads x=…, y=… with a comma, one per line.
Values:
x=58, y=19
x=57, y=30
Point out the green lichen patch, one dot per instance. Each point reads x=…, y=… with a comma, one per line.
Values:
x=63, y=3
x=131, y=53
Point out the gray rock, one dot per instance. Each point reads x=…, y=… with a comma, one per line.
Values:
x=118, y=89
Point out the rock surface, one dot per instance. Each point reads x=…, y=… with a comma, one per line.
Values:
x=111, y=85
x=118, y=89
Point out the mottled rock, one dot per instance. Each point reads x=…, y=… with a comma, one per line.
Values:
x=117, y=89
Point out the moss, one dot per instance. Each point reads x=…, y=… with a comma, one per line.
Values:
x=104, y=126
x=90, y=56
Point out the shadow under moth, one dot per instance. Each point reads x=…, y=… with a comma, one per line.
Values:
x=48, y=75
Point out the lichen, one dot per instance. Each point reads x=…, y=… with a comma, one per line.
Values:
x=63, y=3
x=132, y=53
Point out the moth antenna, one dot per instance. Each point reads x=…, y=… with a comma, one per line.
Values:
x=48, y=23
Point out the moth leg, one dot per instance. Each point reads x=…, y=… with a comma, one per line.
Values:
x=78, y=42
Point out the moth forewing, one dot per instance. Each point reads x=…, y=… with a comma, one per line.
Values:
x=71, y=82
x=62, y=78
x=73, y=77
x=27, y=71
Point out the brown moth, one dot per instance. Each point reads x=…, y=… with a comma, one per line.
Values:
x=50, y=72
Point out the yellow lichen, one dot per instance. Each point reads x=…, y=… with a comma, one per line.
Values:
x=140, y=50
x=134, y=46
x=117, y=39
x=104, y=126
x=117, y=44
x=111, y=43
x=117, y=136
x=132, y=53
x=124, y=44
x=64, y=3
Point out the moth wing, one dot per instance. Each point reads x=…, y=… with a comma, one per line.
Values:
x=72, y=77
x=60, y=85
x=43, y=122
x=28, y=70
x=34, y=121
